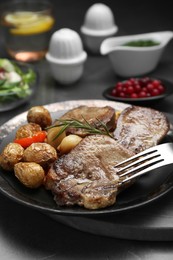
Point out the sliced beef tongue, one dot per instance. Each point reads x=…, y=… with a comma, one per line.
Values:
x=93, y=115
x=140, y=128
x=86, y=176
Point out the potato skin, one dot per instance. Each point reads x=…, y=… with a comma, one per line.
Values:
x=39, y=115
x=11, y=154
x=27, y=130
x=30, y=174
x=41, y=153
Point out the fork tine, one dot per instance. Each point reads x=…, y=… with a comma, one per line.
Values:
x=143, y=162
x=150, y=168
x=138, y=160
x=142, y=166
x=148, y=151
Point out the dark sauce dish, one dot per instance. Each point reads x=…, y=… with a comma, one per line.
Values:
x=168, y=91
x=11, y=100
x=147, y=188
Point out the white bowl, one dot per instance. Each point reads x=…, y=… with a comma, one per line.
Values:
x=98, y=25
x=133, y=61
x=66, y=56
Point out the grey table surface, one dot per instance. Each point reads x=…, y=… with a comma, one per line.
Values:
x=26, y=233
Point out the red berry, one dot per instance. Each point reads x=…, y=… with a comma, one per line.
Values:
x=144, y=81
x=119, y=84
x=119, y=88
x=133, y=81
x=113, y=92
x=155, y=92
x=137, y=88
x=156, y=83
x=127, y=83
x=124, y=89
x=130, y=90
x=134, y=95
x=150, y=87
x=144, y=89
x=161, y=89
x=122, y=94
x=142, y=94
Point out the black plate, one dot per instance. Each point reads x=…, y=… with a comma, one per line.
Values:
x=147, y=189
x=11, y=104
x=169, y=90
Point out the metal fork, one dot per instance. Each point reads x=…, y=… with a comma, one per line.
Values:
x=143, y=162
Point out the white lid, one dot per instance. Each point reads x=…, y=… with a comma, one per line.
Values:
x=99, y=20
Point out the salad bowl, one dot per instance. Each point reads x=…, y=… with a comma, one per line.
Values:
x=18, y=83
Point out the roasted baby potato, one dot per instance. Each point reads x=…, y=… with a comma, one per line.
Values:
x=27, y=130
x=12, y=154
x=30, y=174
x=41, y=153
x=39, y=115
x=68, y=143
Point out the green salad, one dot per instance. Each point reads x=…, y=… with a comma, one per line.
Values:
x=15, y=83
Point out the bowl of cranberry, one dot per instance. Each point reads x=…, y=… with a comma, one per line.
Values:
x=137, y=90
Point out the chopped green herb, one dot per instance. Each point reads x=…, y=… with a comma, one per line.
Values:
x=90, y=129
x=141, y=43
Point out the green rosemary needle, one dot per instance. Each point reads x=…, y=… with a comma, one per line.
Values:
x=99, y=128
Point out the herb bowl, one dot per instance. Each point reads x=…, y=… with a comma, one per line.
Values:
x=18, y=83
x=128, y=60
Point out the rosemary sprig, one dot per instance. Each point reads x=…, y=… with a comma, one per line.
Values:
x=74, y=123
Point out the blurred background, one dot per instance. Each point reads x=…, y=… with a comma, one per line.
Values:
x=132, y=16
x=20, y=241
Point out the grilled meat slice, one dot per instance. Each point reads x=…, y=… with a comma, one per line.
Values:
x=139, y=128
x=86, y=176
x=92, y=115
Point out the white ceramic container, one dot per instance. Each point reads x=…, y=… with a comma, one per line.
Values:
x=66, y=56
x=133, y=61
x=98, y=25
